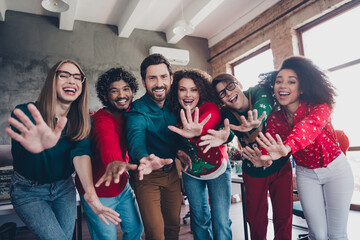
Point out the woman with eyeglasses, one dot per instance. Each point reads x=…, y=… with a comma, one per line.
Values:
x=258, y=180
x=207, y=177
x=50, y=140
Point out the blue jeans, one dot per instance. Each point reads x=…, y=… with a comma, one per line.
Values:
x=48, y=210
x=214, y=224
x=126, y=205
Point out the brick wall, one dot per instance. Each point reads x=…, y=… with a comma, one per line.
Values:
x=276, y=26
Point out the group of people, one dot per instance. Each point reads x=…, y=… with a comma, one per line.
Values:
x=124, y=155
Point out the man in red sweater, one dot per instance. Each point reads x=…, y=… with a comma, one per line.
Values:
x=115, y=89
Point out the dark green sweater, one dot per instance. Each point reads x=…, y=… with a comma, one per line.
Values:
x=51, y=165
x=262, y=101
x=148, y=132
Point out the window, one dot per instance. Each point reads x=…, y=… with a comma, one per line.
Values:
x=333, y=43
x=247, y=69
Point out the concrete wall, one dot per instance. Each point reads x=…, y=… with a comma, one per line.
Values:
x=269, y=27
x=30, y=45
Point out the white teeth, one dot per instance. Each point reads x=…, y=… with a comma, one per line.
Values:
x=159, y=90
x=69, y=89
x=233, y=98
x=284, y=93
x=188, y=101
x=122, y=101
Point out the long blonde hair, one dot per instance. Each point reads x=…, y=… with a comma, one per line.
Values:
x=78, y=125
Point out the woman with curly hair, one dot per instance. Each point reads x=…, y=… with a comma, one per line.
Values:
x=207, y=178
x=302, y=127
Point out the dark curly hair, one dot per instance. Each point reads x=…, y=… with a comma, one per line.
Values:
x=202, y=81
x=313, y=82
x=113, y=75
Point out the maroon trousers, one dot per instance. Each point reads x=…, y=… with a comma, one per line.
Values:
x=279, y=186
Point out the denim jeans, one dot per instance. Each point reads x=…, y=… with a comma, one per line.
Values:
x=48, y=210
x=214, y=224
x=125, y=204
x=325, y=196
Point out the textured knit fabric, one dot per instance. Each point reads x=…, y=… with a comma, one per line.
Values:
x=312, y=140
x=206, y=163
x=108, y=143
x=262, y=101
x=52, y=164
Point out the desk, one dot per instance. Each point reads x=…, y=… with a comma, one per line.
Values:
x=11, y=216
x=239, y=180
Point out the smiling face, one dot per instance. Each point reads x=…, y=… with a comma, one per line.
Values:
x=157, y=82
x=287, y=89
x=119, y=96
x=234, y=99
x=188, y=94
x=68, y=89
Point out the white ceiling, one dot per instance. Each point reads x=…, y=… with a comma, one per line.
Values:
x=213, y=19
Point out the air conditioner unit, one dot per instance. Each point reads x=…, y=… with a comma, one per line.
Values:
x=175, y=56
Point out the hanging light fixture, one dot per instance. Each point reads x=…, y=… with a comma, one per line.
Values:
x=55, y=5
x=183, y=27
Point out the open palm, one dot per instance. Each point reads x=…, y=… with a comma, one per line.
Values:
x=248, y=124
x=275, y=148
x=191, y=128
x=34, y=137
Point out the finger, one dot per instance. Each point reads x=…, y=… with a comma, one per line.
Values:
x=141, y=175
x=17, y=137
x=188, y=114
x=117, y=176
x=60, y=125
x=261, y=143
x=227, y=124
x=166, y=161
x=176, y=130
x=100, y=181
x=265, y=158
x=183, y=118
x=207, y=148
x=263, y=115
x=36, y=114
x=101, y=216
x=203, y=143
x=206, y=137
x=265, y=139
x=132, y=166
x=271, y=139
x=255, y=114
x=196, y=117
x=235, y=127
x=23, y=118
x=18, y=125
x=203, y=122
x=278, y=138
x=244, y=122
x=250, y=116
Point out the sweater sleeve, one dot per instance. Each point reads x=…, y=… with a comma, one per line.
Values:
x=305, y=131
x=136, y=136
x=106, y=137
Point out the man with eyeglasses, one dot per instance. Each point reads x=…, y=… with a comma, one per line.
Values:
x=258, y=180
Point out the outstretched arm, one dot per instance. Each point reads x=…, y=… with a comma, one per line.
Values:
x=191, y=128
x=82, y=166
x=248, y=124
x=113, y=172
x=34, y=137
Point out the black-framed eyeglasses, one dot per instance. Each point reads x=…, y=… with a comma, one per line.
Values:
x=65, y=75
x=231, y=86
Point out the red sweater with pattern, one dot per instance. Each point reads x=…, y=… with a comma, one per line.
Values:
x=108, y=143
x=312, y=140
x=205, y=163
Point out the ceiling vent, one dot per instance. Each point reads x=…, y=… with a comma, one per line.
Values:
x=175, y=56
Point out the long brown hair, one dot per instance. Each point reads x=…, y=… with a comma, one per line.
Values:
x=78, y=125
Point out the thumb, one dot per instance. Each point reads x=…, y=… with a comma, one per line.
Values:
x=132, y=166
